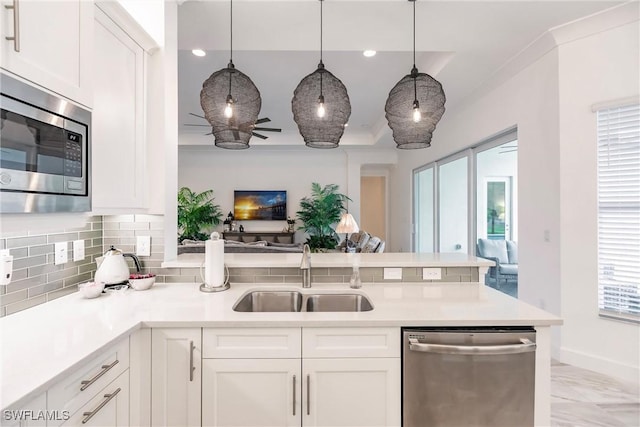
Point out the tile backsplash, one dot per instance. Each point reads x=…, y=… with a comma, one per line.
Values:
x=36, y=279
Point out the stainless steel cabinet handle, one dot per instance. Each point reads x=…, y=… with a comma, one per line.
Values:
x=105, y=369
x=16, y=24
x=308, y=394
x=525, y=347
x=294, y=395
x=191, y=367
x=108, y=397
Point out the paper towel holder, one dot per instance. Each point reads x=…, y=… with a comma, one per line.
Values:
x=211, y=289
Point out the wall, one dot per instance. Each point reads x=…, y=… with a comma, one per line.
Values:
x=593, y=69
x=225, y=171
x=550, y=102
x=36, y=279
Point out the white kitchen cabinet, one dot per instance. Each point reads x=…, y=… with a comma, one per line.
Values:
x=343, y=377
x=176, y=377
x=118, y=131
x=53, y=46
x=251, y=392
x=109, y=408
x=351, y=392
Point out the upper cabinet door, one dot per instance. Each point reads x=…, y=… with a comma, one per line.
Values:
x=52, y=46
x=118, y=131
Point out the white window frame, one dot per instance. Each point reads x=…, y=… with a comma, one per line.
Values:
x=618, y=168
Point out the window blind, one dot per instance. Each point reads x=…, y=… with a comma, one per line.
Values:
x=619, y=212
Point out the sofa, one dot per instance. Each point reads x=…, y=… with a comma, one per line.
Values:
x=505, y=254
x=235, y=247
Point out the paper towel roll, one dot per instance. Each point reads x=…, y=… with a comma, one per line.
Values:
x=214, y=263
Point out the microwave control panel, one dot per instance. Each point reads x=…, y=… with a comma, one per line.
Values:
x=73, y=155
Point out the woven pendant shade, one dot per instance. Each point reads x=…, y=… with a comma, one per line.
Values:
x=321, y=132
x=407, y=133
x=234, y=132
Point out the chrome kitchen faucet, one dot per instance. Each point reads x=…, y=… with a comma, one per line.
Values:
x=305, y=266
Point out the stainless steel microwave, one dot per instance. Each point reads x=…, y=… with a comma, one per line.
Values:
x=44, y=151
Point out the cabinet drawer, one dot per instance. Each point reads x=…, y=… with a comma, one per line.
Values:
x=81, y=385
x=250, y=343
x=109, y=407
x=350, y=342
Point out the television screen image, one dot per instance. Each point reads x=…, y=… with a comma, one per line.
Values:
x=260, y=205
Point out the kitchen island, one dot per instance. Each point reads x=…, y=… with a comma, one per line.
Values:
x=46, y=344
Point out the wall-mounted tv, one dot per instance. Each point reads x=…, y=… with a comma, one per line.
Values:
x=260, y=205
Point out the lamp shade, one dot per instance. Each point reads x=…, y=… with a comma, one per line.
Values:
x=231, y=132
x=407, y=133
x=347, y=224
x=325, y=131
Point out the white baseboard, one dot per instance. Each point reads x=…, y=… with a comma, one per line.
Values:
x=628, y=373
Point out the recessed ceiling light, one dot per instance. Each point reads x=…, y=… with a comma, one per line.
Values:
x=198, y=52
x=369, y=53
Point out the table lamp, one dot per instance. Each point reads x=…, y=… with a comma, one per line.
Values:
x=347, y=225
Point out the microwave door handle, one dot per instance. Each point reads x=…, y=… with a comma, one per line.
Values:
x=525, y=346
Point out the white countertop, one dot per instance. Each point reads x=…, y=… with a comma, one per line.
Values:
x=335, y=259
x=41, y=344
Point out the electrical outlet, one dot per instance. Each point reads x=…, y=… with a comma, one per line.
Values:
x=431, y=274
x=143, y=246
x=392, y=273
x=78, y=250
x=60, y=255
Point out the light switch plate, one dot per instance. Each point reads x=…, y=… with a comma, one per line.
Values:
x=431, y=274
x=143, y=246
x=78, y=250
x=60, y=255
x=392, y=273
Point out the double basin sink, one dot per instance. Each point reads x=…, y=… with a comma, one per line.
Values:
x=294, y=301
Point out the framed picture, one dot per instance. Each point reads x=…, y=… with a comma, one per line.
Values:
x=260, y=205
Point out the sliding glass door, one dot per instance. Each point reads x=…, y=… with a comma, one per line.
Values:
x=453, y=204
x=423, y=210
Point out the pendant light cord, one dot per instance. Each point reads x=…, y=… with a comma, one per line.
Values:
x=414, y=71
x=321, y=65
x=230, y=66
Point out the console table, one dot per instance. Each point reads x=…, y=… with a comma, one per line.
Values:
x=269, y=236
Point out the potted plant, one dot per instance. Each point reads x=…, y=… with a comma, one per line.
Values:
x=196, y=212
x=319, y=212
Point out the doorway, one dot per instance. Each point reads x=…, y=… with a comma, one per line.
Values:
x=373, y=205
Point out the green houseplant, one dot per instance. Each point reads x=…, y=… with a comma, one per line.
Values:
x=319, y=212
x=196, y=212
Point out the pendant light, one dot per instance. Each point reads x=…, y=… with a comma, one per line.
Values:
x=231, y=103
x=415, y=105
x=321, y=106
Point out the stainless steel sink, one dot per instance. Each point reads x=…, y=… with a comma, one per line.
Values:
x=338, y=302
x=272, y=301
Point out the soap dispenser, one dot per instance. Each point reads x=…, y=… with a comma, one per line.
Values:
x=355, y=282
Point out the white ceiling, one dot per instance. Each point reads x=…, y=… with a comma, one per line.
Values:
x=276, y=43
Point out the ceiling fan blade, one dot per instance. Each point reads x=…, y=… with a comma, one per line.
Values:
x=210, y=133
x=202, y=117
x=259, y=136
x=267, y=129
x=189, y=124
x=263, y=120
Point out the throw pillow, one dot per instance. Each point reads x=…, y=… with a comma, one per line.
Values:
x=493, y=249
x=512, y=251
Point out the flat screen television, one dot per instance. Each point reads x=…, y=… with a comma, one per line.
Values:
x=260, y=205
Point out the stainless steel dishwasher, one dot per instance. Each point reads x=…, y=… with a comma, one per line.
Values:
x=458, y=377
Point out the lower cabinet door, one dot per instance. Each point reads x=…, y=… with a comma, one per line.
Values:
x=351, y=392
x=251, y=392
x=109, y=408
x=175, y=377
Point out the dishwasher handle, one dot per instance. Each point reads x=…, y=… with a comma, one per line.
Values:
x=525, y=346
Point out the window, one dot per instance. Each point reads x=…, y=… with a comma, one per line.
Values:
x=619, y=212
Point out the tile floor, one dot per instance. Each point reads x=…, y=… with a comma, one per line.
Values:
x=582, y=398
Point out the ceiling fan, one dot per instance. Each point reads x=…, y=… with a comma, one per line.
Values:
x=245, y=127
